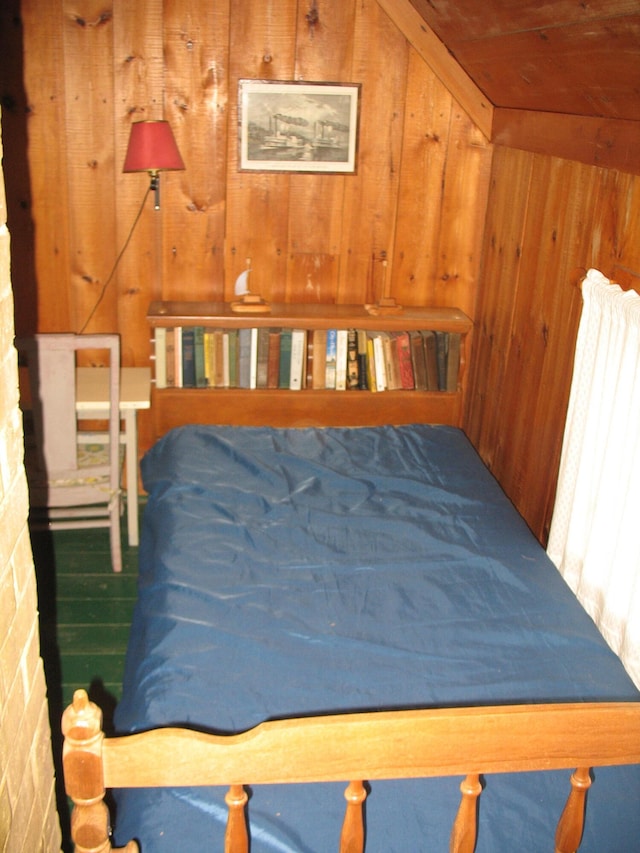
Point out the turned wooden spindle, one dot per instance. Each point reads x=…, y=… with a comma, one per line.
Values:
x=236, y=839
x=465, y=828
x=352, y=835
x=83, y=777
x=571, y=823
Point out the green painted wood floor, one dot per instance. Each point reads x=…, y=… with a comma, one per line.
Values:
x=85, y=613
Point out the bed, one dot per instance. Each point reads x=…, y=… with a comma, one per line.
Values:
x=364, y=613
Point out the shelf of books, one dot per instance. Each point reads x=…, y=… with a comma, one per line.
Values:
x=306, y=363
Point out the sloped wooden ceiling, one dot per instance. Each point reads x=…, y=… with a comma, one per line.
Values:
x=561, y=77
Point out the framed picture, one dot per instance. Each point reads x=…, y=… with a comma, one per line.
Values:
x=298, y=127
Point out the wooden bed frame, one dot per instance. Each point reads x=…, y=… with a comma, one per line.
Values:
x=466, y=742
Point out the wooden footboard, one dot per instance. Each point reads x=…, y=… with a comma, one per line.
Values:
x=465, y=742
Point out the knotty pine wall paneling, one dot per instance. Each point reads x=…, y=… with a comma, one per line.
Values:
x=196, y=95
x=87, y=72
x=324, y=51
x=543, y=329
x=263, y=47
x=445, y=166
x=503, y=239
x=424, y=166
x=549, y=220
x=627, y=247
x=467, y=174
x=413, y=214
x=309, y=237
x=372, y=200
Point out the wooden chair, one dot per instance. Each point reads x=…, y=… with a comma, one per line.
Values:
x=71, y=486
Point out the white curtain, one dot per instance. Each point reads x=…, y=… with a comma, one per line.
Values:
x=595, y=531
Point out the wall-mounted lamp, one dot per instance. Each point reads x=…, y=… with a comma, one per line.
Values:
x=152, y=148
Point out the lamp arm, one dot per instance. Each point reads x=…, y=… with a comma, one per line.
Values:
x=155, y=187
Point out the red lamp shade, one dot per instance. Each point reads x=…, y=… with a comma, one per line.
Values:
x=152, y=147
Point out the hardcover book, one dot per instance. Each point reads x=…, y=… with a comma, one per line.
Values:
x=198, y=357
x=352, y=360
x=171, y=358
x=232, y=348
x=188, y=358
x=453, y=361
x=218, y=344
x=391, y=366
x=341, y=359
x=209, y=356
x=298, y=358
x=160, y=353
x=317, y=354
x=244, y=358
x=273, y=358
x=262, y=368
x=177, y=352
x=285, y=359
x=363, y=360
x=380, y=368
x=418, y=361
x=330, y=365
x=253, y=358
x=405, y=362
x=442, y=345
x=431, y=360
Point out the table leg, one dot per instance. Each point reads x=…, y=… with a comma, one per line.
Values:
x=131, y=463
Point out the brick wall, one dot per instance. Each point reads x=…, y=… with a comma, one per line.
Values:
x=28, y=818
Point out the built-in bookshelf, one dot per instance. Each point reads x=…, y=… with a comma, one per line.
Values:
x=306, y=364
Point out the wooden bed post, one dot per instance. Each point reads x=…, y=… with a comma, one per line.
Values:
x=236, y=839
x=465, y=827
x=571, y=823
x=352, y=836
x=83, y=777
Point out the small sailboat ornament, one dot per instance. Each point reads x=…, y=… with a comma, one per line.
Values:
x=248, y=302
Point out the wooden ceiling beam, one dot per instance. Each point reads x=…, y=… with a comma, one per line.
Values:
x=441, y=62
x=606, y=142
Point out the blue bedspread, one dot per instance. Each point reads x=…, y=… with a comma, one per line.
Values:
x=295, y=572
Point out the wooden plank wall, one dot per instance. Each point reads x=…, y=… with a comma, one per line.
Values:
x=549, y=220
x=88, y=69
x=92, y=68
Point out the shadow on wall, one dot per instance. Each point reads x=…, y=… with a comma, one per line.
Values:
x=17, y=179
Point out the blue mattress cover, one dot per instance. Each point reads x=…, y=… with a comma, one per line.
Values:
x=288, y=572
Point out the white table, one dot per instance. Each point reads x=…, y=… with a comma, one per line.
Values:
x=92, y=401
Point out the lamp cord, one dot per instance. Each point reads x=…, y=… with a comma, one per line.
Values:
x=115, y=266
